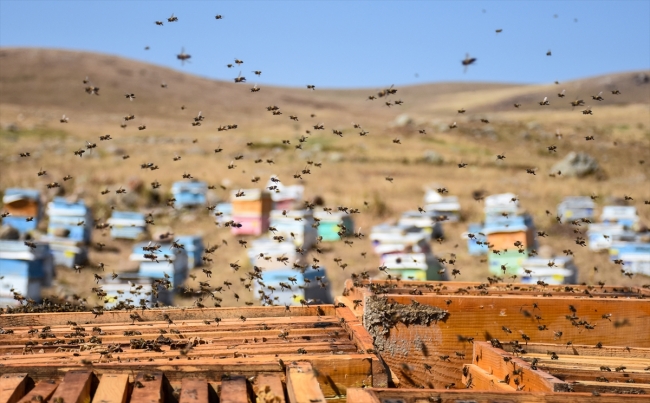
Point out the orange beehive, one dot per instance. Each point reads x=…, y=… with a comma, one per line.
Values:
x=252, y=202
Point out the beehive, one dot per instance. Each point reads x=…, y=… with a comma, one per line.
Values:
x=437, y=324
x=314, y=352
x=127, y=224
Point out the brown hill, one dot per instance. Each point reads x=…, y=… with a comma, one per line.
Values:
x=53, y=78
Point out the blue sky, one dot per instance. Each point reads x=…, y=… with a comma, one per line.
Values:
x=349, y=43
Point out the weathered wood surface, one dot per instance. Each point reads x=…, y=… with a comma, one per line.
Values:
x=43, y=390
x=479, y=396
x=12, y=387
x=113, y=388
x=75, y=387
x=504, y=365
x=194, y=390
x=152, y=315
x=269, y=389
x=148, y=387
x=302, y=384
x=502, y=317
x=234, y=390
x=475, y=377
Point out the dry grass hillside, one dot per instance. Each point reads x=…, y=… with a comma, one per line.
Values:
x=38, y=86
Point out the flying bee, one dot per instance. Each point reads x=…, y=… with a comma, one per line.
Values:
x=544, y=102
x=42, y=172
x=240, y=78
x=27, y=154
x=548, y=53
x=453, y=125
x=183, y=57
x=516, y=105
x=67, y=177
x=172, y=18
x=616, y=92
x=105, y=138
x=587, y=111
x=561, y=94
x=218, y=17
x=485, y=120
x=255, y=88
x=239, y=62
x=311, y=87
x=461, y=110
x=467, y=61
x=130, y=97
x=142, y=127
x=64, y=119
x=159, y=23
x=598, y=97
x=163, y=85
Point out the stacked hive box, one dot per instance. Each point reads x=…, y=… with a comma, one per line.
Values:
x=69, y=229
x=22, y=204
x=330, y=224
x=251, y=212
x=189, y=194
x=576, y=208
x=191, y=355
x=24, y=270
x=296, y=226
x=169, y=261
x=426, y=331
x=127, y=224
x=557, y=270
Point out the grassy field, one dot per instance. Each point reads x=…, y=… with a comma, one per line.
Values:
x=33, y=99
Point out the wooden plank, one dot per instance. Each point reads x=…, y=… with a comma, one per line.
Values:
x=175, y=314
x=194, y=390
x=268, y=389
x=336, y=372
x=580, y=373
x=113, y=388
x=12, y=387
x=75, y=387
x=478, y=378
x=302, y=384
x=483, y=318
x=608, y=387
x=583, y=350
x=43, y=391
x=147, y=387
x=502, y=364
x=234, y=390
x=479, y=396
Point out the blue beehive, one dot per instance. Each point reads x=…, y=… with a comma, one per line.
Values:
x=16, y=258
x=193, y=245
x=131, y=290
x=311, y=292
x=24, y=269
x=127, y=224
x=620, y=248
x=189, y=194
x=174, y=265
x=329, y=225
x=576, y=208
x=21, y=204
x=75, y=217
x=555, y=271
x=623, y=215
x=67, y=252
x=476, y=245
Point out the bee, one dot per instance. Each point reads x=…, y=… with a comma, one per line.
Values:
x=105, y=138
x=183, y=57
x=218, y=17
x=548, y=53
x=467, y=62
x=587, y=111
x=25, y=155
x=142, y=127
x=516, y=105
x=561, y=94
x=240, y=78
x=130, y=97
x=501, y=157
x=461, y=110
x=498, y=31
x=544, y=102
x=453, y=125
x=255, y=88
x=159, y=23
x=462, y=165
x=64, y=119
x=172, y=18
x=485, y=120
x=598, y=97
x=616, y=92
x=311, y=87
